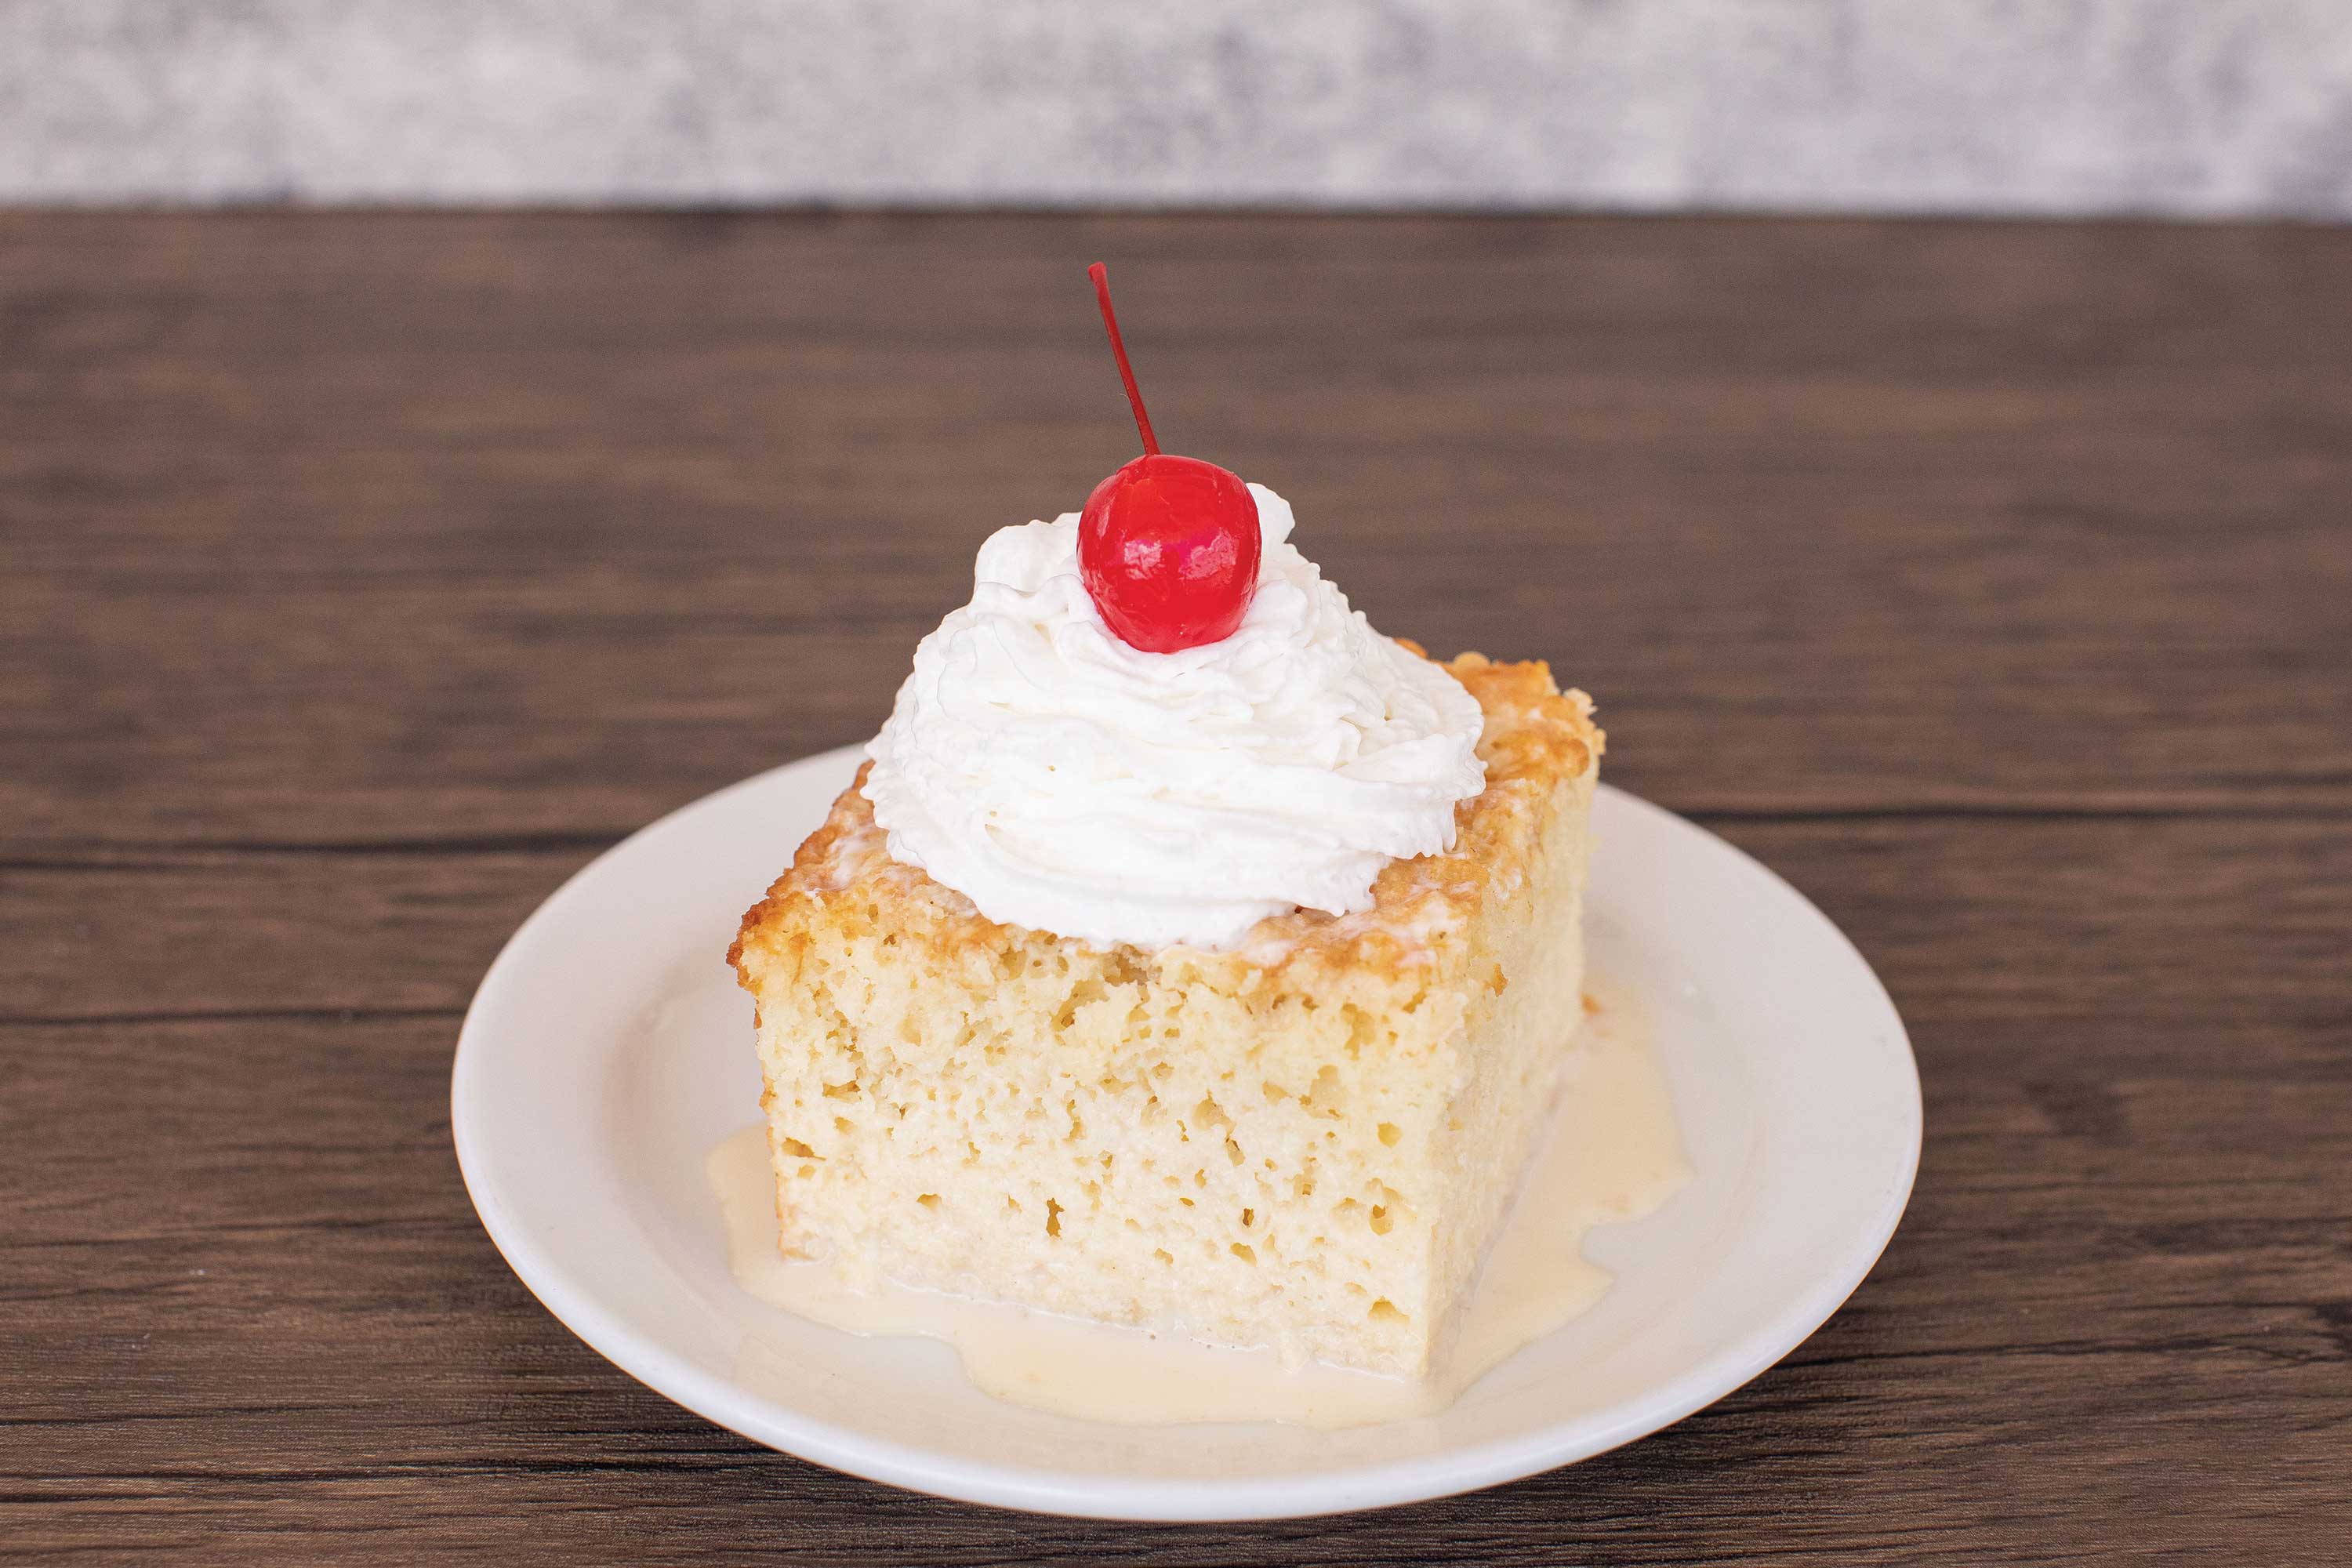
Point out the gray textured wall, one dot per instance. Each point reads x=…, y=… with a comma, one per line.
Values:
x=2039, y=106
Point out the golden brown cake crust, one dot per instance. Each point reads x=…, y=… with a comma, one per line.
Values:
x=1536, y=737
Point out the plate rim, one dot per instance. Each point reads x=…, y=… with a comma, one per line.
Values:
x=1388, y=1483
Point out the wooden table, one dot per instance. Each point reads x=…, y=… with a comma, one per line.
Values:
x=366, y=574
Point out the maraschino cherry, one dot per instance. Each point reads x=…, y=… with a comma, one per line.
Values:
x=1168, y=546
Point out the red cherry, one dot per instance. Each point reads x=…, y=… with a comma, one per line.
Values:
x=1168, y=546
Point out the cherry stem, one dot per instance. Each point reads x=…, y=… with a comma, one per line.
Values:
x=1101, y=274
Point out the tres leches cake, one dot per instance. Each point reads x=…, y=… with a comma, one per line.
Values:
x=1187, y=955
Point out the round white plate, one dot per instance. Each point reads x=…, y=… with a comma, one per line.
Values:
x=608, y=1050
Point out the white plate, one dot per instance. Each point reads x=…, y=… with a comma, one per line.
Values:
x=608, y=1050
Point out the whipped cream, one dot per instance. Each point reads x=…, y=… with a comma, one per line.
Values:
x=1064, y=780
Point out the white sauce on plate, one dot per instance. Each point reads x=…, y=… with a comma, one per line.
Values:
x=1613, y=1153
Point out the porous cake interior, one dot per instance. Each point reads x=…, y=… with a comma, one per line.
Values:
x=1308, y=1142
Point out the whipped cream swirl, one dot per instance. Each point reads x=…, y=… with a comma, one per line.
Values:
x=1064, y=780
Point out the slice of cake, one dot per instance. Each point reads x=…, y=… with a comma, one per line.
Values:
x=1189, y=955
x=1304, y=1136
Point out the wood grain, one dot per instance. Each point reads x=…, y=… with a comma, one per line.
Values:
x=365, y=574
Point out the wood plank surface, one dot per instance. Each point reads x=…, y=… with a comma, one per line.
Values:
x=364, y=575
